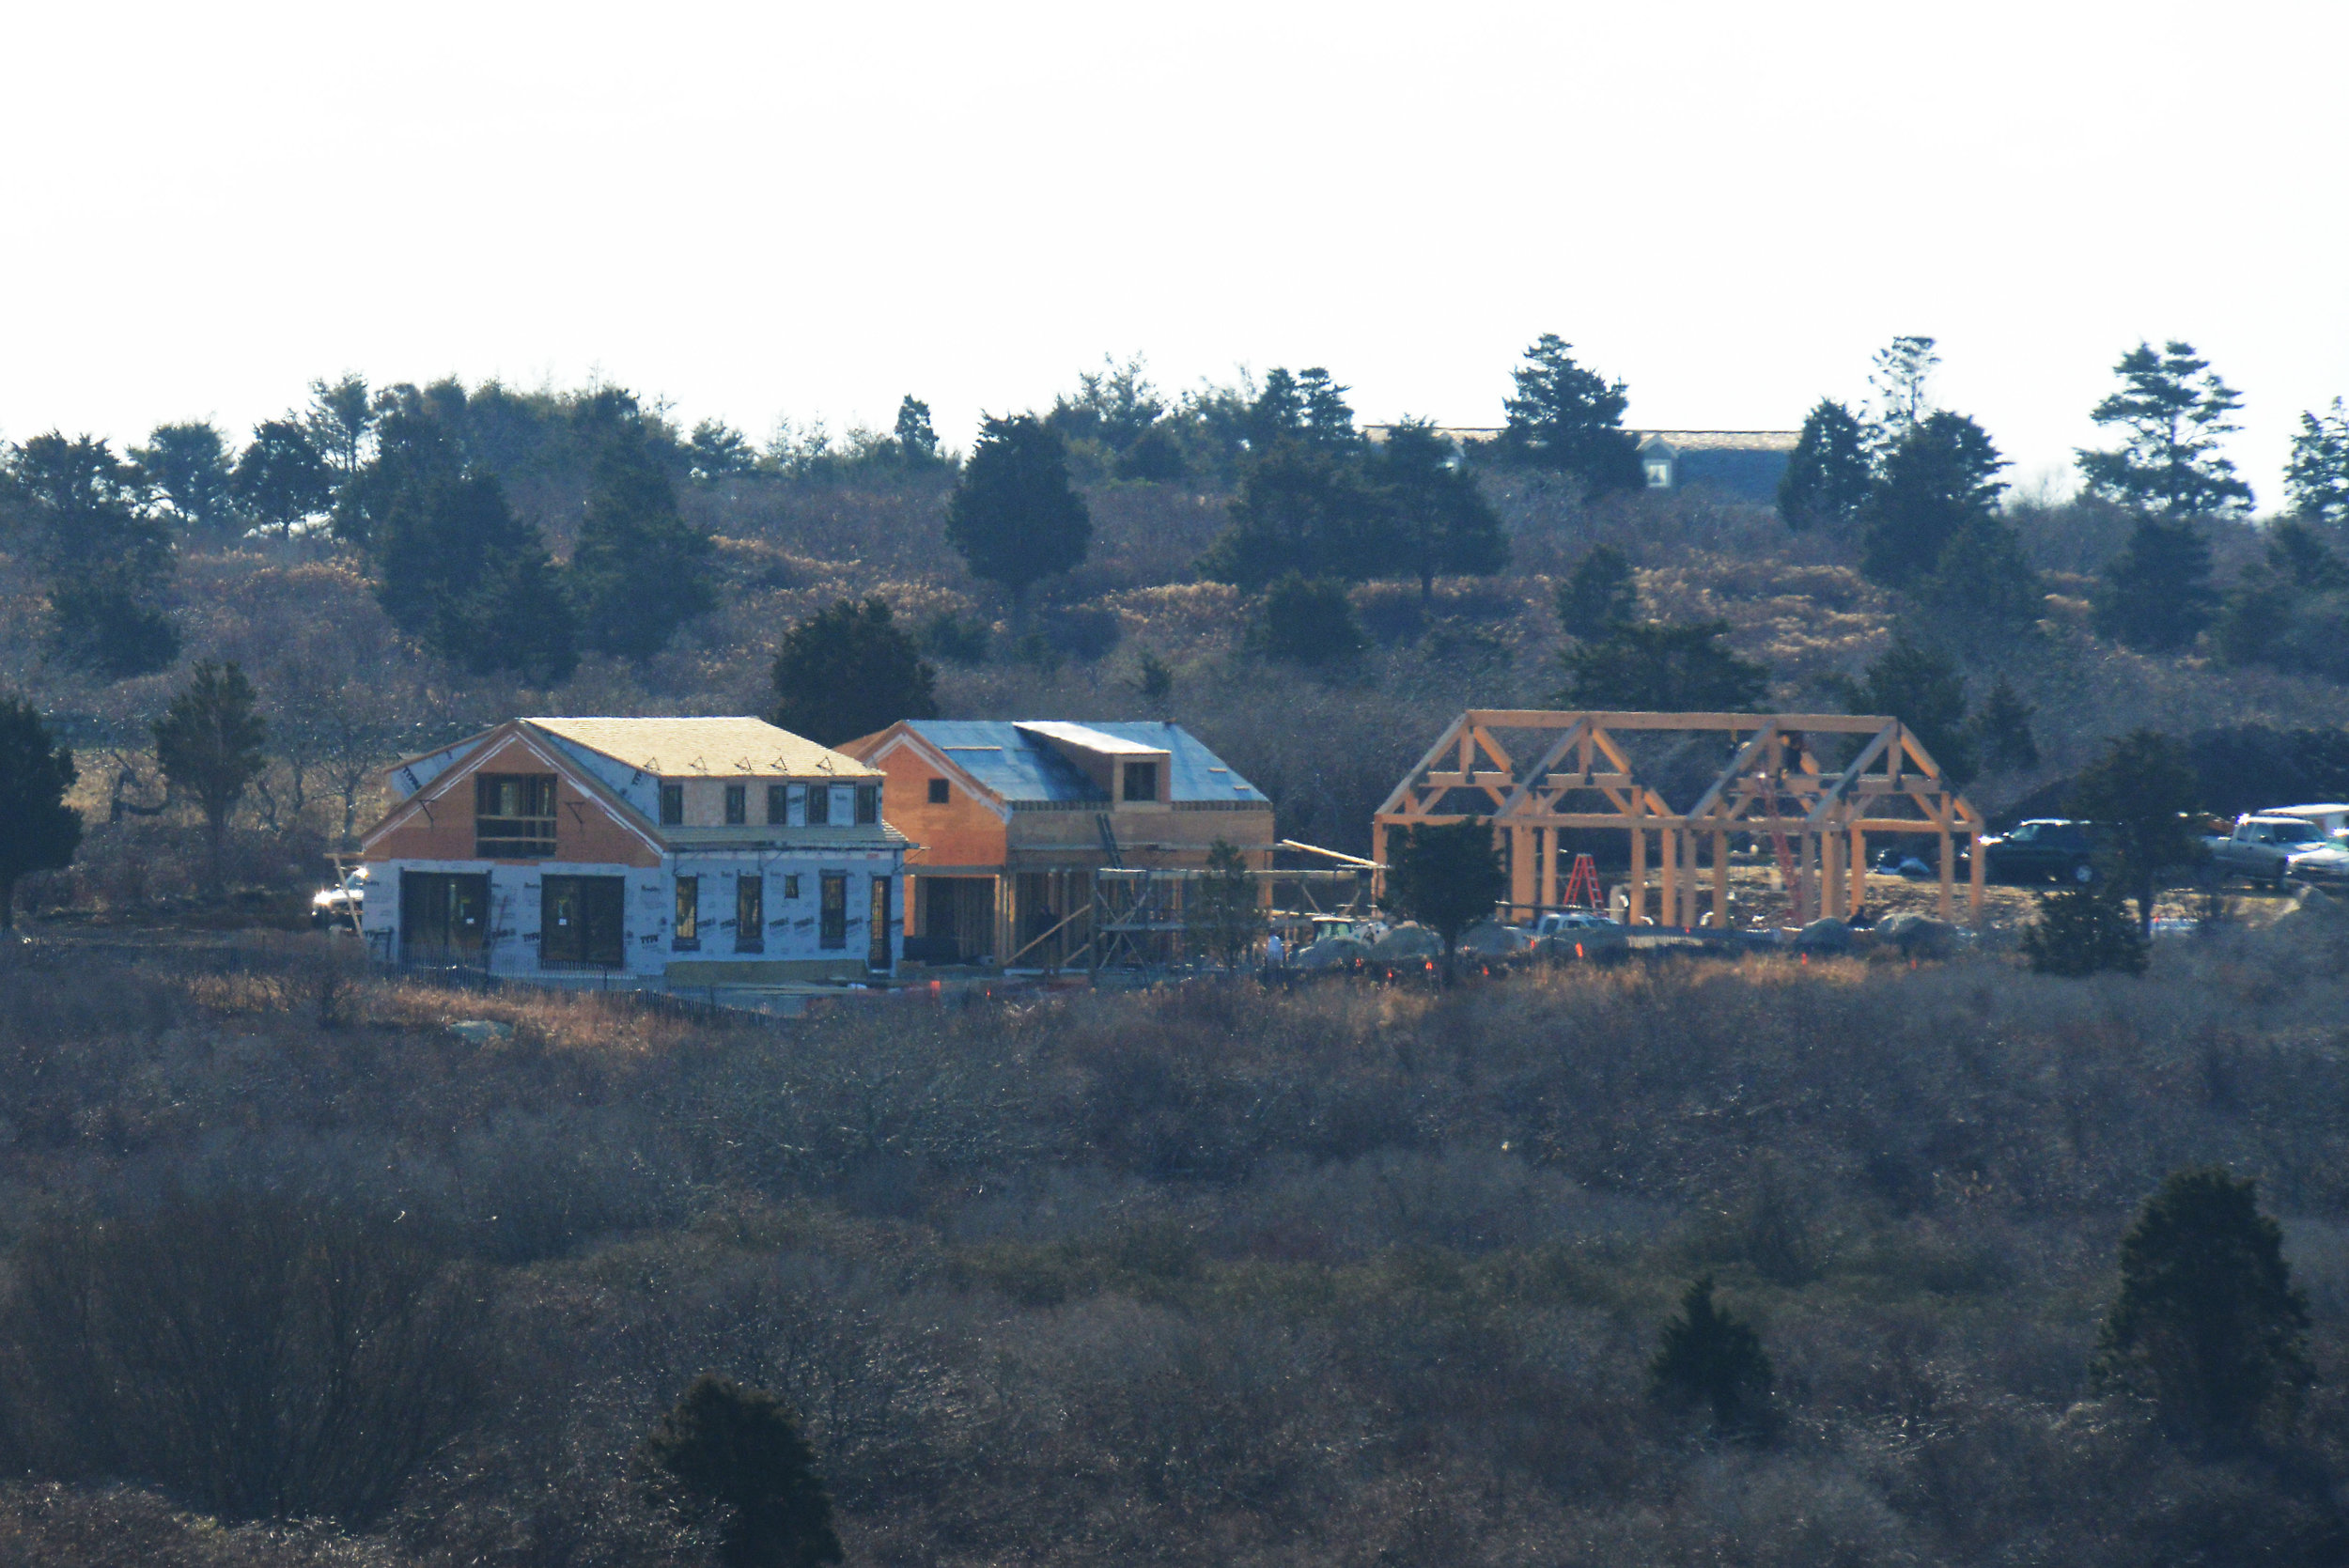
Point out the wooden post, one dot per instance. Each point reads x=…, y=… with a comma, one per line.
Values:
x=1948, y=869
x=1831, y=888
x=1667, y=906
x=1549, y=867
x=1720, y=881
x=1378, y=853
x=1636, y=914
x=1975, y=874
x=1522, y=874
x=1807, y=877
x=1859, y=869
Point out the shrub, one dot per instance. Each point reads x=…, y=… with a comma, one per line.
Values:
x=2082, y=931
x=1308, y=621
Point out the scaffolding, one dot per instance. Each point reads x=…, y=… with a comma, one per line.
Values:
x=1536, y=774
x=1151, y=919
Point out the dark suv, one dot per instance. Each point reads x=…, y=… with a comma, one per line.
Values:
x=2044, y=850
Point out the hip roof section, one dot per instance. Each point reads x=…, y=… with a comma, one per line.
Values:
x=734, y=748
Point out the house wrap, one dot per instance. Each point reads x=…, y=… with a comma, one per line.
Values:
x=698, y=851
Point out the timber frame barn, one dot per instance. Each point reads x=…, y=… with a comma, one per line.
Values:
x=1571, y=770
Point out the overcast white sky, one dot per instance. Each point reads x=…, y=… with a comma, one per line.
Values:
x=755, y=210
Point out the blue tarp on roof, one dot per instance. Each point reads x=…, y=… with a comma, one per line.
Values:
x=1018, y=766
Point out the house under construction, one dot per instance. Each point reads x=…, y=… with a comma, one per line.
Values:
x=1538, y=776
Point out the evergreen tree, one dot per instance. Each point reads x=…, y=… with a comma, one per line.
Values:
x=1308, y=621
x=1925, y=691
x=1901, y=370
x=1305, y=508
x=1229, y=916
x=1827, y=475
x=2171, y=411
x=39, y=832
x=1599, y=596
x=109, y=564
x=1983, y=578
x=719, y=451
x=209, y=744
x=1114, y=406
x=459, y=571
x=917, y=441
x=640, y=570
x=2082, y=930
x=1569, y=418
x=1014, y=514
x=1931, y=485
x=186, y=467
x=850, y=671
x=1308, y=409
x=1657, y=668
x=2002, y=730
x=2207, y=1322
x=1441, y=523
x=1447, y=876
x=2141, y=791
x=342, y=416
x=2317, y=477
x=2156, y=595
x=2291, y=609
x=739, y=1453
x=280, y=480
x=1713, y=1359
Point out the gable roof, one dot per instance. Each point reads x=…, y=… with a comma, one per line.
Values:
x=706, y=748
x=1012, y=760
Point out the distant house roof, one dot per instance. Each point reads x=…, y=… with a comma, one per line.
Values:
x=1721, y=441
x=1013, y=759
x=706, y=748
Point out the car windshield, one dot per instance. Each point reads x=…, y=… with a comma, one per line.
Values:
x=2024, y=834
x=2295, y=832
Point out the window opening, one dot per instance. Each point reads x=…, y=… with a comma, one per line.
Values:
x=778, y=805
x=831, y=926
x=867, y=803
x=673, y=805
x=939, y=793
x=736, y=813
x=1142, y=781
x=818, y=805
x=750, y=912
x=689, y=909
x=513, y=815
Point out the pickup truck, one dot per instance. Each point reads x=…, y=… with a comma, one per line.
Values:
x=2270, y=849
x=338, y=907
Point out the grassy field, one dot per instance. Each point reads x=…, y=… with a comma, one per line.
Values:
x=1343, y=1275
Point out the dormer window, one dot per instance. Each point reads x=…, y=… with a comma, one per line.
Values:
x=1659, y=473
x=778, y=805
x=819, y=806
x=737, y=807
x=673, y=805
x=1142, y=781
x=867, y=804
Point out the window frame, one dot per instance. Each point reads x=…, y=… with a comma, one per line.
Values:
x=866, y=809
x=778, y=805
x=820, y=793
x=750, y=912
x=685, y=932
x=831, y=914
x=534, y=797
x=673, y=805
x=1147, y=772
x=737, y=806
x=941, y=792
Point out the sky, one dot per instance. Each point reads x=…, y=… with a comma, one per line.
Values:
x=809, y=211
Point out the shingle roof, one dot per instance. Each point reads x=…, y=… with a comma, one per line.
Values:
x=1006, y=757
x=707, y=748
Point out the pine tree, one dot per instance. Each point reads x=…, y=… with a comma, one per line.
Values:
x=1713, y=1359
x=2317, y=479
x=1827, y=475
x=719, y=451
x=109, y=564
x=738, y=1453
x=1658, y=668
x=1014, y=514
x=1901, y=370
x=1599, y=596
x=2141, y=791
x=1931, y=486
x=2156, y=595
x=850, y=671
x=209, y=744
x=2002, y=730
x=186, y=468
x=281, y=481
x=1229, y=917
x=1447, y=876
x=2207, y=1322
x=341, y=419
x=1308, y=509
x=916, y=438
x=1569, y=418
x=474, y=582
x=1442, y=523
x=1308, y=621
x=2082, y=930
x=1925, y=690
x=39, y=832
x=640, y=570
x=2173, y=410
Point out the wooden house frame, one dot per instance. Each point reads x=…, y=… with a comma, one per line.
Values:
x=1569, y=770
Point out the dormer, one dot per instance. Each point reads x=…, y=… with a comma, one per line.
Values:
x=1129, y=775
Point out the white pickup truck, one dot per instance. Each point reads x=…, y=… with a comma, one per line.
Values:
x=2273, y=849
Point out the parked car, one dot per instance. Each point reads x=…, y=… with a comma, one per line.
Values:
x=2046, y=849
x=2272, y=850
x=338, y=907
x=1573, y=920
